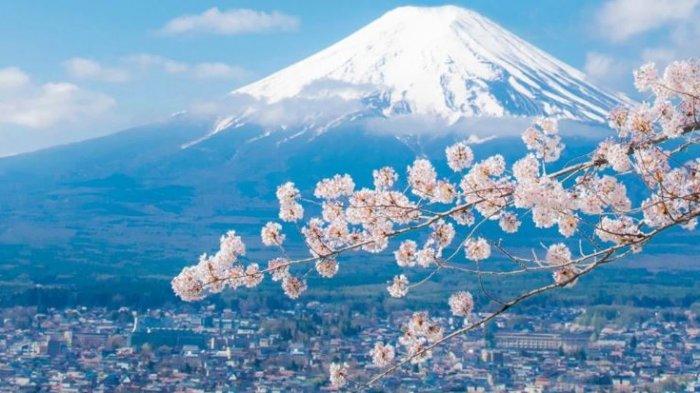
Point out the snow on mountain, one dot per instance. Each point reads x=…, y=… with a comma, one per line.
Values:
x=443, y=62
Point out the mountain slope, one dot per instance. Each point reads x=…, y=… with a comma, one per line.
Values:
x=444, y=62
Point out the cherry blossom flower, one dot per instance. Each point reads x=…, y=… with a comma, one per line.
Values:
x=335, y=187
x=327, y=267
x=477, y=249
x=509, y=222
x=617, y=156
x=271, y=234
x=398, y=287
x=419, y=323
x=236, y=277
x=526, y=168
x=187, y=285
x=384, y=178
x=287, y=193
x=406, y=253
x=426, y=256
x=444, y=192
x=565, y=276
x=231, y=246
x=291, y=212
x=558, y=254
x=338, y=374
x=278, y=268
x=382, y=355
x=459, y=156
x=618, y=231
x=494, y=165
x=443, y=233
x=645, y=77
x=253, y=276
x=461, y=304
x=568, y=223
x=293, y=286
x=542, y=139
x=463, y=217
x=434, y=333
x=422, y=178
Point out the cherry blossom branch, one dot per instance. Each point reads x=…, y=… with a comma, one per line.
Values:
x=588, y=199
x=607, y=257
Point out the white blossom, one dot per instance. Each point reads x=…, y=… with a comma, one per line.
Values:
x=422, y=178
x=587, y=194
x=406, y=254
x=645, y=77
x=398, y=287
x=477, y=249
x=619, y=231
x=271, y=234
x=293, y=286
x=291, y=212
x=384, y=178
x=443, y=233
x=426, y=257
x=338, y=375
x=253, y=275
x=558, y=254
x=287, y=193
x=335, y=187
x=461, y=304
x=463, y=217
x=278, y=268
x=459, y=156
x=565, y=276
x=509, y=222
x=616, y=155
x=327, y=267
x=231, y=247
x=187, y=285
x=542, y=139
x=526, y=168
x=382, y=355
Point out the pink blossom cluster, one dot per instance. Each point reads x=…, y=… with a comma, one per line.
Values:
x=338, y=374
x=382, y=355
x=419, y=333
x=215, y=272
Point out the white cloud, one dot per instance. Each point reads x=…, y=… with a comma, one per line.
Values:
x=288, y=112
x=147, y=60
x=600, y=67
x=82, y=68
x=659, y=31
x=218, y=70
x=41, y=106
x=231, y=22
x=205, y=70
x=597, y=65
x=12, y=78
x=683, y=43
x=658, y=55
x=621, y=19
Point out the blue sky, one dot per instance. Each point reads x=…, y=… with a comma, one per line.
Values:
x=115, y=64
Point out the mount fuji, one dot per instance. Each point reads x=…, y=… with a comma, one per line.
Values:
x=444, y=63
x=149, y=199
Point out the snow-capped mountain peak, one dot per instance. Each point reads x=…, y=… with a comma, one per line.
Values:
x=445, y=62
